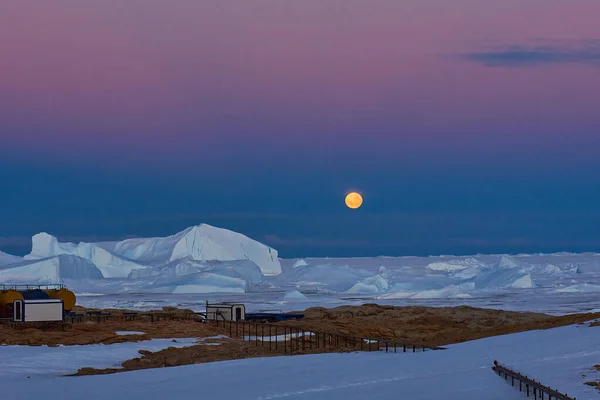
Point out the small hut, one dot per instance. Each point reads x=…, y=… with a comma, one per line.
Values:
x=225, y=312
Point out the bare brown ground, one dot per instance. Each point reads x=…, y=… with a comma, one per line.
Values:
x=429, y=326
x=92, y=332
x=413, y=325
x=228, y=349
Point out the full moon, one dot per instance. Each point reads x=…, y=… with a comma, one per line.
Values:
x=354, y=200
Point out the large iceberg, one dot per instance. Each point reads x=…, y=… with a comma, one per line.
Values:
x=200, y=259
x=50, y=270
x=206, y=259
x=7, y=259
x=110, y=264
x=201, y=243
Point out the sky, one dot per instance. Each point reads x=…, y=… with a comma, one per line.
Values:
x=468, y=126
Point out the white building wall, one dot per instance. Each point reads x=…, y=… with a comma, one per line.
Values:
x=42, y=310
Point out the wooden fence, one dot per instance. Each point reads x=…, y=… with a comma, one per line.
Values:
x=290, y=340
x=530, y=386
x=281, y=338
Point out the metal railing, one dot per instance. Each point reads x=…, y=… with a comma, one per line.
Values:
x=56, y=286
x=530, y=386
x=288, y=339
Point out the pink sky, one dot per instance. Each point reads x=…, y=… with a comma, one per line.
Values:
x=100, y=74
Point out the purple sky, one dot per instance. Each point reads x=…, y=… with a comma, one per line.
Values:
x=323, y=95
x=162, y=75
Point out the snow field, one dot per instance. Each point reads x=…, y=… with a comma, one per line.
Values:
x=561, y=358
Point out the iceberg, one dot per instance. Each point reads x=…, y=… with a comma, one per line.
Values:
x=111, y=265
x=371, y=285
x=200, y=243
x=50, y=270
x=294, y=295
x=324, y=277
x=300, y=263
x=7, y=259
x=504, y=278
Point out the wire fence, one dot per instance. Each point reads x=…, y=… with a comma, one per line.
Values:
x=528, y=385
x=289, y=340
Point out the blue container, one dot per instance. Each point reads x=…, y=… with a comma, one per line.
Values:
x=35, y=294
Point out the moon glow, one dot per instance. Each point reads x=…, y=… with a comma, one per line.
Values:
x=354, y=200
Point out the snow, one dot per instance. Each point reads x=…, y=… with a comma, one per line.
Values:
x=279, y=338
x=46, y=362
x=125, y=333
x=561, y=358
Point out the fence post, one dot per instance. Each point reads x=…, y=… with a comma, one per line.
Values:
x=303, y=340
x=386, y=346
x=262, y=333
x=276, y=338
x=297, y=343
x=270, y=336
x=414, y=349
x=284, y=340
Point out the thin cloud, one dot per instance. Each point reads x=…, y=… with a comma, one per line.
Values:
x=542, y=53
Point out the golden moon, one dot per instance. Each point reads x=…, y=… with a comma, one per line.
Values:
x=354, y=200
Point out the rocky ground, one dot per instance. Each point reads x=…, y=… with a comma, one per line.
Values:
x=415, y=325
x=430, y=326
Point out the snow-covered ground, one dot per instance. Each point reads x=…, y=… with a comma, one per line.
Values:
x=561, y=358
x=48, y=362
x=208, y=263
